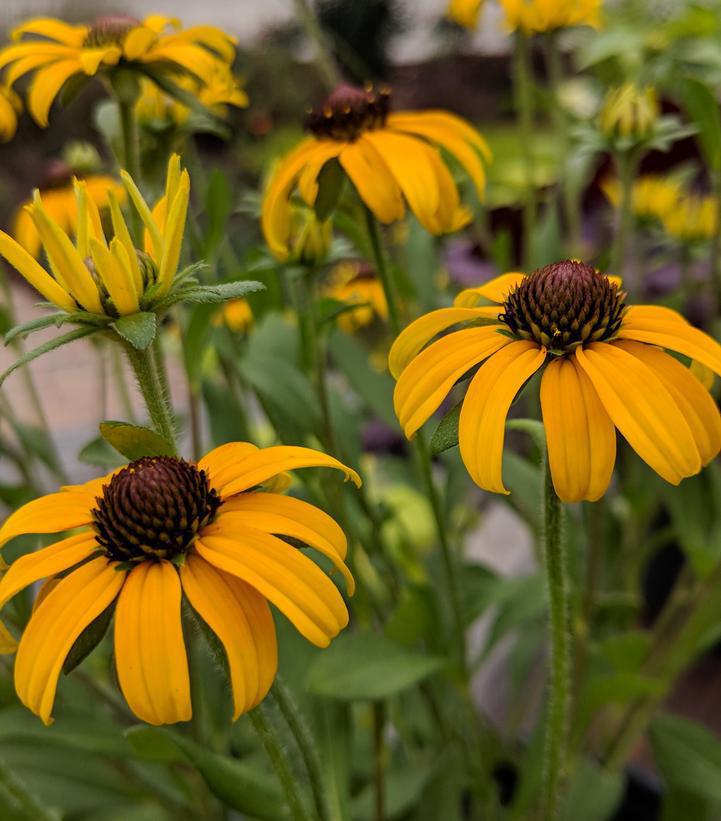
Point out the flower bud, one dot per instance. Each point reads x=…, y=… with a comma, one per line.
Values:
x=629, y=111
x=310, y=238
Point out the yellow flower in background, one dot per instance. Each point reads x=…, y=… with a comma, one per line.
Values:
x=465, y=12
x=63, y=51
x=355, y=283
x=219, y=543
x=532, y=16
x=392, y=159
x=692, y=219
x=86, y=272
x=629, y=111
x=236, y=314
x=154, y=106
x=61, y=204
x=603, y=367
x=10, y=108
x=653, y=196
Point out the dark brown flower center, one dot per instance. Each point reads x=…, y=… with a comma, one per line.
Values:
x=349, y=111
x=109, y=30
x=565, y=305
x=153, y=509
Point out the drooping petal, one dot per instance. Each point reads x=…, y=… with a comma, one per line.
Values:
x=284, y=576
x=223, y=457
x=53, y=628
x=138, y=42
x=445, y=120
x=45, y=87
x=34, y=273
x=428, y=379
x=150, y=655
x=580, y=435
x=241, y=619
x=188, y=56
x=375, y=185
x=495, y=290
x=642, y=408
x=258, y=467
x=40, y=564
x=53, y=29
x=415, y=336
x=287, y=516
x=91, y=58
x=656, y=328
x=48, y=514
x=692, y=398
x=482, y=424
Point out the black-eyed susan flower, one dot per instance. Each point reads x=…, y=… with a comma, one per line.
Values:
x=235, y=314
x=10, y=108
x=531, y=16
x=162, y=530
x=89, y=272
x=356, y=284
x=60, y=200
x=391, y=158
x=57, y=51
x=604, y=366
x=465, y=12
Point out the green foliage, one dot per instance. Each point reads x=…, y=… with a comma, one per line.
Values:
x=134, y=441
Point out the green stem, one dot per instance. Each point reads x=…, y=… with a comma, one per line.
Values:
x=317, y=353
x=557, y=718
x=126, y=89
x=156, y=399
x=626, y=168
x=274, y=750
x=567, y=200
x=379, y=761
x=304, y=739
x=522, y=81
x=380, y=259
x=324, y=55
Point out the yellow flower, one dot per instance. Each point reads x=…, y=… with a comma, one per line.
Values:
x=604, y=367
x=465, y=12
x=61, y=204
x=391, y=159
x=546, y=15
x=114, y=41
x=10, y=107
x=354, y=284
x=222, y=90
x=692, y=219
x=653, y=196
x=629, y=111
x=98, y=276
x=235, y=314
x=218, y=546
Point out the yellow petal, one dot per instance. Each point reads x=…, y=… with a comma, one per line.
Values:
x=428, y=379
x=496, y=290
x=222, y=457
x=373, y=181
x=192, y=58
x=120, y=228
x=53, y=628
x=48, y=514
x=642, y=409
x=118, y=282
x=34, y=273
x=172, y=178
x=674, y=334
x=258, y=467
x=174, y=230
x=241, y=619
x=142, y=208
x=692, y=398
x=40, y=564
x=91, y=58
x=150, y=655
x=286, y=516
x=53, y=29
x=580, y=435
x=482, y=424
x=213, y=38
x=415, y=336
x=441, y=121
x=284, y=576
x=45, y=87
x=138, y=42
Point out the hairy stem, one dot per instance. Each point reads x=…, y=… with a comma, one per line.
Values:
x=155, y=398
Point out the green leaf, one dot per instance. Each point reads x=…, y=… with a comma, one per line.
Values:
x=89, y=639
x=330, y=185
x=134, y=441
x=58, y=319
x=688, y=756
x=703, y=108
x=98, y=452
x=138, y=329
x=237, y=784
x=46, y=347
x=593, y=794
x=445, y=435
x=367, y=666
x=215, y=294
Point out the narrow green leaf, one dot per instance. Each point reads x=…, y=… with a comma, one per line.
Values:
x=703, y=108
x=367, y=666
x=138, y=329
x=88, y=640
x=46, y=347
x=216, y=294
x=445, y=435
x=134, y=441
x=330, y=185
x=100, y=453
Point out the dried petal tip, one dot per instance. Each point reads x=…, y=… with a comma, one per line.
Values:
x=109, y=30
x=565, y=305
x=349, y=111
x=153, y=509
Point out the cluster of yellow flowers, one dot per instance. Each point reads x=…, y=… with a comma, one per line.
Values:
x=531, y=16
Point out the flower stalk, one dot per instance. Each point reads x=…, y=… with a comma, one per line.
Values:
x=154, y=394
